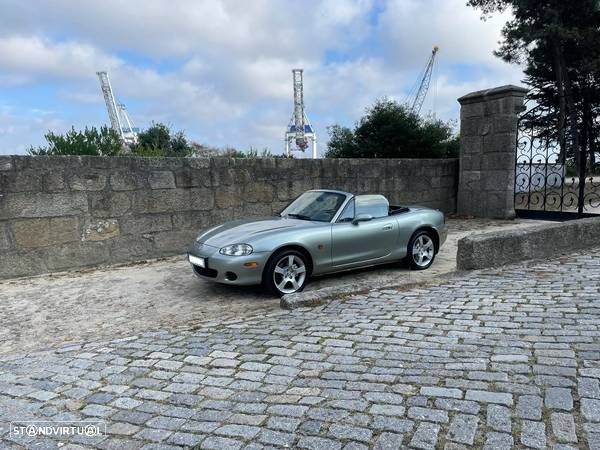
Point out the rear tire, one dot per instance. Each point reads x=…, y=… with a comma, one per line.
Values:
x=421, y=250
x=286, y=272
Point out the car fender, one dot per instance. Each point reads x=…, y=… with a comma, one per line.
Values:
x=414, y=220
x=316, y=241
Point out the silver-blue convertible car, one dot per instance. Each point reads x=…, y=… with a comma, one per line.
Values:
x=322, y=231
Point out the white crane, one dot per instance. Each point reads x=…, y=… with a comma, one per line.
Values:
x=117, y=113
x=423, y=83
x=299, y=129
x=129, y=132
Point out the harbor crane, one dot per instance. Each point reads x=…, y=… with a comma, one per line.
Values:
x=117, y=113
x=299, y=130
x=423, y=86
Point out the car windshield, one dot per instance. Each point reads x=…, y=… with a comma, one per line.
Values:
x=315, y=205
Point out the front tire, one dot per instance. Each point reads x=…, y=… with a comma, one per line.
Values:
x=421, y=250
x=286, y=272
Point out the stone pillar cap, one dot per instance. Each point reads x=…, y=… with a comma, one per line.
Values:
x=509, y=90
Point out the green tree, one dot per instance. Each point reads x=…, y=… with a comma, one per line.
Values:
x=90, y=141
x=391, y=130
x=341, y=143
x=558, y=43
x=159, y=141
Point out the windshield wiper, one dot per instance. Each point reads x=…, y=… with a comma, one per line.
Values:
x=298, y=216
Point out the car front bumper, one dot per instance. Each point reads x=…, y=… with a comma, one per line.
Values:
x=236, y=270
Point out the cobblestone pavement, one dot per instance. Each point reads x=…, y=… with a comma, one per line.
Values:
x=51, y=310
x=498, y=359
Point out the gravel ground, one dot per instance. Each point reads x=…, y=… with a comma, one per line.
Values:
x=51, y=310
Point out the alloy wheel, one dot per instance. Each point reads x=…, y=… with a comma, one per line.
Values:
x=289, y=274
x=423, y=250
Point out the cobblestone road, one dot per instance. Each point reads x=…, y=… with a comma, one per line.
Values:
x=500, y=359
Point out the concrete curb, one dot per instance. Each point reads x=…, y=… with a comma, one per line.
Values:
x=500, y=248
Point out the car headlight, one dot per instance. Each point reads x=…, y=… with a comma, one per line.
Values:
x=236, y=250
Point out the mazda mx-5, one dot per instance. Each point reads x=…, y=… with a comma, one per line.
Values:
x=320, y=232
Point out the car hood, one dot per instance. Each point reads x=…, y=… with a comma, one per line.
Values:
x=249, y=230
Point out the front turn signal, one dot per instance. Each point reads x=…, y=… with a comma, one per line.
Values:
x=251, y=264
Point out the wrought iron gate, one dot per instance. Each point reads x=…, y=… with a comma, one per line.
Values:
x=553, y=181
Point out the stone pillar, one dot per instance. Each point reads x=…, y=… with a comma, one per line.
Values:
x=488, y=137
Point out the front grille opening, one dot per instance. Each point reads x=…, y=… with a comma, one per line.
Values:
x=205, y=271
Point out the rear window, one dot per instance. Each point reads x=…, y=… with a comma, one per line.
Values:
x=374, y=205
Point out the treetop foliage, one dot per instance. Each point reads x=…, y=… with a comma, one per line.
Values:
x=159, y=141
x=91, y=141
x=156, y=141
x=390, y=130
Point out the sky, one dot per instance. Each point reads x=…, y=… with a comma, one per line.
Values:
x=220, y=70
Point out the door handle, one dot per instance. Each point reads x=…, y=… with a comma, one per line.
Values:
x=387, y=227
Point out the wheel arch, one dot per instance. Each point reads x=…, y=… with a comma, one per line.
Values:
x=434, y=234
x=298, y=248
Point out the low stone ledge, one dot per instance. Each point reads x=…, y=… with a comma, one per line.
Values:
x=319, y=296
x=542, y=241
x=323, y=296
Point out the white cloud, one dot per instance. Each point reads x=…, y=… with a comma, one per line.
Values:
x=176, y=28
x=410, y=28
x=32, y=58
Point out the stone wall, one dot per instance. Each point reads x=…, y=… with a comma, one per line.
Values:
x=59, y=213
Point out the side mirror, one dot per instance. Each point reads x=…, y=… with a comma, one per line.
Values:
x=362, y=218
